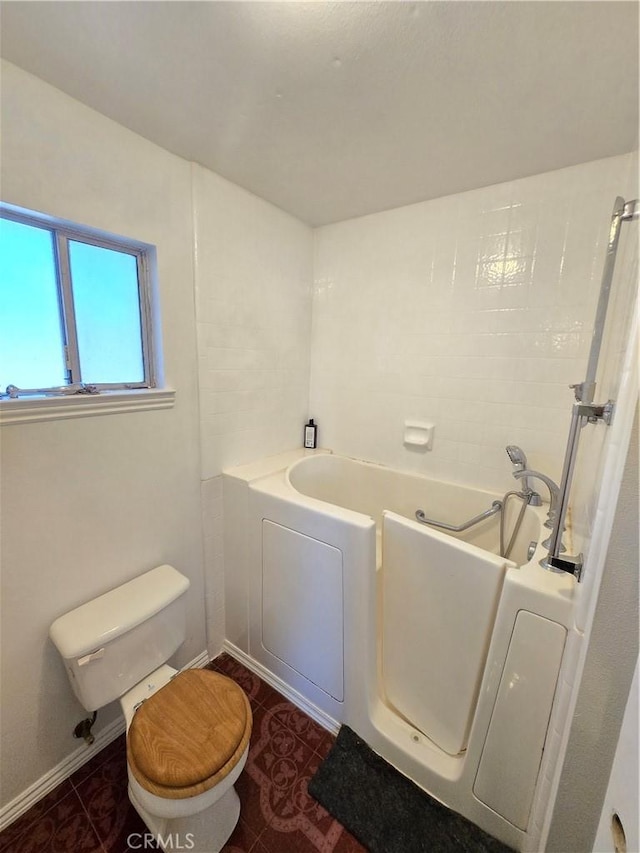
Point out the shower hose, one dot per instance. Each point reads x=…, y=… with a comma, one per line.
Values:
x=504, y=552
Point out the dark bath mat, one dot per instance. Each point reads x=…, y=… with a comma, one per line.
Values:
x=386, y=811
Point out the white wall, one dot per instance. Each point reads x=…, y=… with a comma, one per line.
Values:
x=472, y=311
x=623, y=790
x=253, y=286
x=89, y=503
x=253, y=267
x=606, y=681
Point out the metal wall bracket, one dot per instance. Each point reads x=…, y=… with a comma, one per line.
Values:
x=583, y=390
x=595, y=412
x=571, y=565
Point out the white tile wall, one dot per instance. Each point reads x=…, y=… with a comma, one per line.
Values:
x=253, y=304
x=212, y=521
x=473, y=311
x=253, y=279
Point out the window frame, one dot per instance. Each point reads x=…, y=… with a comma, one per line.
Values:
x=62, y=233
x=73, y=401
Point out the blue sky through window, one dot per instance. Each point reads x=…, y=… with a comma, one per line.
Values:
x=31, y=339
x=107, y=306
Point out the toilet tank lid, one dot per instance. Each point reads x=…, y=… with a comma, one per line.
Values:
x=107, y=617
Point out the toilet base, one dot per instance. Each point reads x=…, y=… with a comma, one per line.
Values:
x=204, y=832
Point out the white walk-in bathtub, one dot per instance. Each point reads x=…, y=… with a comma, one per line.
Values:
x=442, y=655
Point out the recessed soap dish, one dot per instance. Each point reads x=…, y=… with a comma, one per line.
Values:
x=418, y=435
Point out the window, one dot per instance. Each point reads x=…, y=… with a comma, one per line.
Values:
x=74, y=309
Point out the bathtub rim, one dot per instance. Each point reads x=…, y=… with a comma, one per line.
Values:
x=311, y=459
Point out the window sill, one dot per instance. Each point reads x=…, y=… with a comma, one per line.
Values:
x=33, y=409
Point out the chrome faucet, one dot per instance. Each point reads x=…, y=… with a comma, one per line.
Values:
x=554, y=492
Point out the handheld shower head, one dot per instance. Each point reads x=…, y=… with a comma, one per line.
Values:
x=517, y=456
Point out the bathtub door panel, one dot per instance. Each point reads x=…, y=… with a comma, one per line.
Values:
x=302, y=605
x=510, y=762
x=440, y=598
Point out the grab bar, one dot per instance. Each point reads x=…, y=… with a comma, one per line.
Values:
x=496, y=506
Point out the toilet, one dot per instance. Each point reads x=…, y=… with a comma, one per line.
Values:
x=187, y=732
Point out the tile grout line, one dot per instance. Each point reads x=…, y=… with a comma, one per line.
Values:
x=91, y=824
x=313, y=755
x=268, y=823
x=259, y=705
x=39, y=817
x=103, y=845
x=96, y=768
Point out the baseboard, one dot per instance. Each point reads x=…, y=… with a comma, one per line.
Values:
x=42, y=786
x=281, y=686
x=198, y=662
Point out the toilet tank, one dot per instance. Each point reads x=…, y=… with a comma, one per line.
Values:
x=111, y=643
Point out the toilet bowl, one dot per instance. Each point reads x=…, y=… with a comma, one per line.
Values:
x=186, y=745
x=187, y=732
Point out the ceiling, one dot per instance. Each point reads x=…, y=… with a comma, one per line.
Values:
x=336, y=109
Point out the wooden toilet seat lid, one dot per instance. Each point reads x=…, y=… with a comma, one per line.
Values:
x=185, y=736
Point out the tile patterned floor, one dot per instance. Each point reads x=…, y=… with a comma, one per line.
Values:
x=90, y=812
